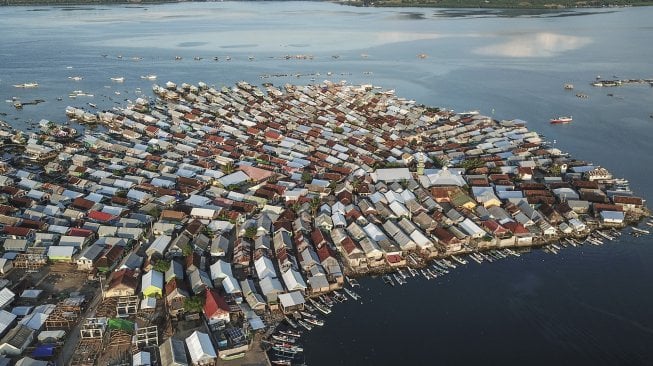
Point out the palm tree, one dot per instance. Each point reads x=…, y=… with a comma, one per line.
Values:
x=315, y=204
x=228, y=168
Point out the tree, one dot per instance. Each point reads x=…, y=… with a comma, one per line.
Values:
x=250, y=232
x=315, y=204
x=470, y=164
x=194, y=304
x=307, y=177
x=161, y=265
x=228, y=168
x=187, y=250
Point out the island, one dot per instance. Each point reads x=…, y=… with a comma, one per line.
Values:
x=209, y=223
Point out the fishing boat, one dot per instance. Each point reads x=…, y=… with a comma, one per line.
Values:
x=290, y=322
x=75, y=78
x=283, y=338
x=412, y=271
x=314, y=321
x=339, y=297
x=291, y=333
x=352, y=294
x=305, y=325
x=459, y=260
x=399, y=279
x=388, y=280
x=149, y=77
x=281, y=362
x=425, y=274
x=321, y=308
x=118, y=79
x=569, y=86
x=352, y=282
x=26, y=85
x=561, y=120
x=306, y=314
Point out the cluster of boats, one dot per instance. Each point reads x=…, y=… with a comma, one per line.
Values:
x=285, y=347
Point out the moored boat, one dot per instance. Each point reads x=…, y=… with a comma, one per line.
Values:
x=26, y=85
x=561, y=120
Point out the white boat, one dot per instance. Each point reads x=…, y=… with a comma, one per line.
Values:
x=351, y=294
x=27, y=85
x=75, y=78
x=305, y=325
x=561, y=120
x=149, y=77
x=118, y=79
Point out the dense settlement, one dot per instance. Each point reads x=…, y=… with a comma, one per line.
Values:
x=197, y=222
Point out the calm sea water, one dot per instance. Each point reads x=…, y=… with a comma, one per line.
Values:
x=589, y=305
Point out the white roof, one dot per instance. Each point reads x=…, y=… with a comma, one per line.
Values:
x=471, y=228
x=200, y=347
x=264, y=268
x=202, y=212
x=51, y=334
x=291, y=299
x=6, y=320
x=445, y=177
x=234, y=178
x=230, y=285
x=159, y=245
x=293, y=280
x=61, y=251
x=220, y=269
x=391, y=175
x=141, y=359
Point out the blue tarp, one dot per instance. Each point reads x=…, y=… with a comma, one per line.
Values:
x=44, y=351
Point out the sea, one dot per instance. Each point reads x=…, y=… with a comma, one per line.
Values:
x=591, y=305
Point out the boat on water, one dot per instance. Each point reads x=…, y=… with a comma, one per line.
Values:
x=321, y=308
x=281, y=362
x=118, y=79
x=561, y=120
x=352, y=294
x=399, y=279
x=290, y=322
x=305, y=325
x=290, y=333
x=352, y=282
x=569, y=86
x=314, y=321
x=283, y=338
x=26, y=85
x=75, y=78
x=149, y=77
x=388, y=280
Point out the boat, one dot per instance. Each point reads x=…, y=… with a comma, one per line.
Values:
x=283, y=338
x=281, y=362
x=291, y=333
x=305, y=325
x=459, y=260
x=569, y=86
x=314, y=321
x=412, y=271
x=352, y=282
x=118, y=79
x=561, y=120
x=290, y=322
x=232, y=357
x=640, y=231
x=425, y=274
x=321, y=308
x=352, y=294
x=399, y=279
x=339, y=297
x=18, y=105
x=388, y=280
x=149, y=77
x=75, y=78
x=306, y=314
x=26, y=85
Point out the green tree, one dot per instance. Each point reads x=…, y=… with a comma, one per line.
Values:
x=470, y=164
x=187, y=250
x=228, y=168
x=161, y=265
x=307, y=177
x=250, y=232
x=194, y=304
x=315, y=204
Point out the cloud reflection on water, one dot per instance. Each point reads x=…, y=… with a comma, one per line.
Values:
x=534, y=45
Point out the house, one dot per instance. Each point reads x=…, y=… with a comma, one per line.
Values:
x=141, y=358
x=152, y=284
x=6, y=265
x=176, y=294
x=291, y=302
x=612, y=217
x=173, y=353
x=110, y=259
x=7, y=321
x=86, y=260
x=216, y=309
x=122, y=283
x=264, y=268
x=293, y=280
x=61, y=253
x=16, y=341
x=6, y=297
x=159, y=245
x=200, y=349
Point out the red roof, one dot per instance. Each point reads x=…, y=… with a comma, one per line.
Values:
x=348, y=245
x=215, y=305
x=516, y=228
x=100, y=216
x=85, y=233
x=17, y=231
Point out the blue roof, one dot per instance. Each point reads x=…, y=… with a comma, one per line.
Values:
x=44, y=351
